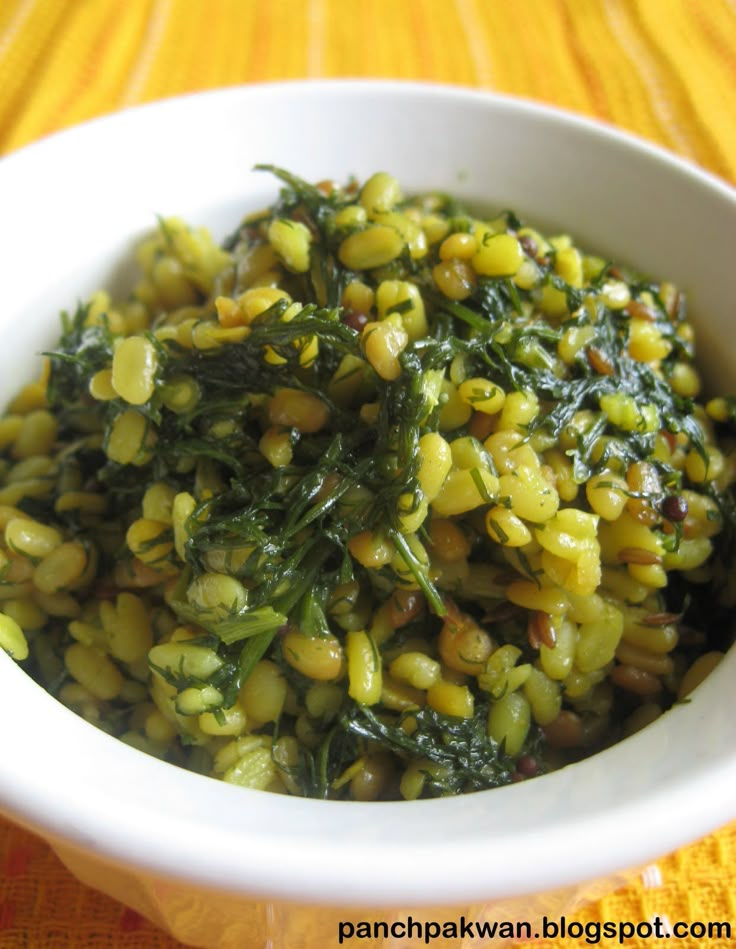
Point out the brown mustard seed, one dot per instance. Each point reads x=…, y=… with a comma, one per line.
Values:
x=675, y=508
x=661, y=619
x=540, y=630
x=638, y=555
x=600, y=362
x=527, y=765
x=355, y=320
x=641, y=312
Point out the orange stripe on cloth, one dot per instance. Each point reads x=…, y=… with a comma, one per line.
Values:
x=693, y=91
x=664, y=69
x=24, y=54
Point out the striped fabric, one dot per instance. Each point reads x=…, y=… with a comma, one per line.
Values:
x=663, y=69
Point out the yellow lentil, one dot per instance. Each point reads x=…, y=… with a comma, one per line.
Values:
x=62, y=568
x=408, y=460
x=374, y=247
x=383, y=343
x=318, y=657
x=134, y=366
x=12, y=638
x=94, y=670
x=291, y=240
x=500, y=255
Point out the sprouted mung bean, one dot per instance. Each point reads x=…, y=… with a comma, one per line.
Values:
x=376, y=500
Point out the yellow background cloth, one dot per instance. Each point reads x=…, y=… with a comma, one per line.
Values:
x=663, y=69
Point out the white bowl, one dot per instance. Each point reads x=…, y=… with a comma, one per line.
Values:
x=218, y=864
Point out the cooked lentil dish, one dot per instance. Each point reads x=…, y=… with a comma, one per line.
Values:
x=375, y=500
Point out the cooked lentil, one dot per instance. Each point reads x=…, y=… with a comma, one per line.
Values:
x=305, y=512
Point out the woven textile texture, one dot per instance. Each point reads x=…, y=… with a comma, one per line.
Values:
x=663, y=69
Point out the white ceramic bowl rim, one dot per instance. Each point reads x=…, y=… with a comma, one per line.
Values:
x=620, y=808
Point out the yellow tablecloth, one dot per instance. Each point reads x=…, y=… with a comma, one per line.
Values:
x=664, y=69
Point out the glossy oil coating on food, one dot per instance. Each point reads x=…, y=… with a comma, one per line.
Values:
x=376, y=500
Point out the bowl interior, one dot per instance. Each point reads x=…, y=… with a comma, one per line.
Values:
x=75, y=205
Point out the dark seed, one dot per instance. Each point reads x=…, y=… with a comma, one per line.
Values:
x=674, y=508
x=641, y=312
x=661, y=619
x=540, y=630
x=355, y=320
x=600, y=362
x=527, y=765
x=638, y=555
